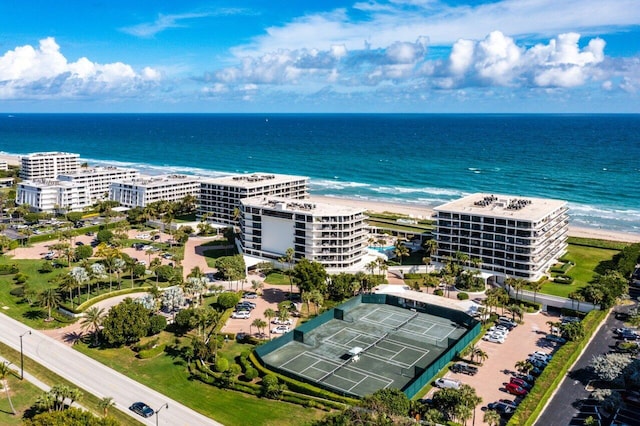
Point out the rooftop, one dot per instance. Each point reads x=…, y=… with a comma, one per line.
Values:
x=253, y=180
x=92, y=171
x=49, y=154
x=302, y=206
x=508, y=206
x=151, y=181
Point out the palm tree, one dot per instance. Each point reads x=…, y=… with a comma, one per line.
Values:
x=49, y=299
x=427, y=261
x=288, y=260
x=492, y=417
x=257, y=323
x=431, y=246
x=536, y=286
x=106, y=403
x=371, y=266
x=4, y=370
x=523, y=366
x=269, y=314
x=481, y=355
x=554, y=326
x=576, y=296
x=400, y=250
x=92, y=321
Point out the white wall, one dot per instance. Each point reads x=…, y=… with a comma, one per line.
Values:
x=277, y=234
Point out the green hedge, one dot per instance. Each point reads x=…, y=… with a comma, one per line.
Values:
x=153, y=352
x=531, y=406
x=9, y=269
x=592, y=242
x=80, y=308
x=301, y=387
x=563, y=279
x=561, y=269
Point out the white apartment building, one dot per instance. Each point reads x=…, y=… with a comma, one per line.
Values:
x=4, y=165
x=148, y=189
x=98, y=179
x=219, y=197
x=53, y=196
x=330, y=234
x=512, y=236
x=48, y=165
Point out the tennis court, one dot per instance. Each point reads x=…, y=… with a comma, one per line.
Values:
x=373, y=346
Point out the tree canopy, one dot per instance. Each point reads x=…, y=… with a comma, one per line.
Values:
x=126, y=323
x=309, y=276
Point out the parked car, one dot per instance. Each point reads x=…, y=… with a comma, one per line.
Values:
x=278, y=321
x=493, y=338
x=622, y=330
x=502, y=407
x=507, y=322
x=629, y=335
x=241, y=315
x=554, y=338
x=520, y=382
x=514, y=389
x=527, y=378
x=446, y=383
x=251, y=295
x=245, y=306
x=464, y=368
x=537, y=363
x=545, y=355
x=281, y=329
x=500, y=328
x=141, y=409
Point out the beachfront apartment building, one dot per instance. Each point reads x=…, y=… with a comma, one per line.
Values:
x=98, y=179
x=4, y=165
x=511, y=236
x=219, y=199
x=48, y=165
x=330, y=234
x=53, y=196
x=142, y=191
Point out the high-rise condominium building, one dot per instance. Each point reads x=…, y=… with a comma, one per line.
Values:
x=148, y=189
x=48, y=165
x=509, y=236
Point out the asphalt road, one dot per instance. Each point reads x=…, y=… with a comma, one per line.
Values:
x=96, y=378
x=566, y=402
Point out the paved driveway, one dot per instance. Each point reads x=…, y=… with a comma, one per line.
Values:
x=96, y=378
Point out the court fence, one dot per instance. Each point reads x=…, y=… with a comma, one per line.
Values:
x=421, y=376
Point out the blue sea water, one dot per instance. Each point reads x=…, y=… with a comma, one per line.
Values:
x=592, y=161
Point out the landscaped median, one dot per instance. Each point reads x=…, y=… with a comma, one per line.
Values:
x=532, y=405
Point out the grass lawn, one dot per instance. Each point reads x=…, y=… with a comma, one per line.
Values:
x=276, y=277
x=88, y=400
x=169, y=375
x=585, y=259
x=13, y=306
x=23, y=395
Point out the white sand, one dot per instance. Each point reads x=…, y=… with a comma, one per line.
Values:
x=12, y=160
x=425, y=212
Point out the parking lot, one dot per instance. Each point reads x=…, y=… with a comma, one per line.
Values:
x=497, y=369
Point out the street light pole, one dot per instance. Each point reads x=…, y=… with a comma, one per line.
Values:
x=22, y=354
x=165, y=405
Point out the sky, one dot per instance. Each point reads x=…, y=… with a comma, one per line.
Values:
x=382, y=56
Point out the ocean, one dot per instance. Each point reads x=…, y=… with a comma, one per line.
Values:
x=592, y=161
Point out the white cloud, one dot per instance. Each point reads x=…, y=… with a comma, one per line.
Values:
x=45, y=72
x=164, y=22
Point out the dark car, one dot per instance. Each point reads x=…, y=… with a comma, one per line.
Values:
x=142, y=409
x=464, y=368
x=502, y=407
x=629, y=335
x=520, y=382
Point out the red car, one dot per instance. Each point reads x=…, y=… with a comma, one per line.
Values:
x=520, y=383
x=514, y=389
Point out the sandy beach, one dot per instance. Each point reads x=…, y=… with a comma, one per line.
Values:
x=12, y=160
x=424, y=212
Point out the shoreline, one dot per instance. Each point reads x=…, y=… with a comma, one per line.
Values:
x=423, y=212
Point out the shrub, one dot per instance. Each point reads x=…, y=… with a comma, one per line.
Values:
x=145, y=346
x=563, y=279
x=104, y=236
x=20, y=278
x=228, y=300
x=45, y=268
x=17, y=292
x=165, y=273
x=83, y=252
x=9, y=269
x=251, y=373
x=222, y=364
x=438, y=292
x=463, y=296
x=153, y=352
x=157, y=323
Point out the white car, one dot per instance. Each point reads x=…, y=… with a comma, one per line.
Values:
x=143, y=236
x=241, y=315
x=499, y=328
x=278, y=321
x=543, y=355
x=493, y=338
x=281, y=329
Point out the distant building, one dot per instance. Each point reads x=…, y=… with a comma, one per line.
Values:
x=512, y=236
x=98, y=179
x=53, y=196
x=4, y=165
x=48, y=165
x=220, y=197
x=6, y=182
x=330, y=234
x=145, y=190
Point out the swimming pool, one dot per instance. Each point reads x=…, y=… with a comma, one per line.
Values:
x=384, y=249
